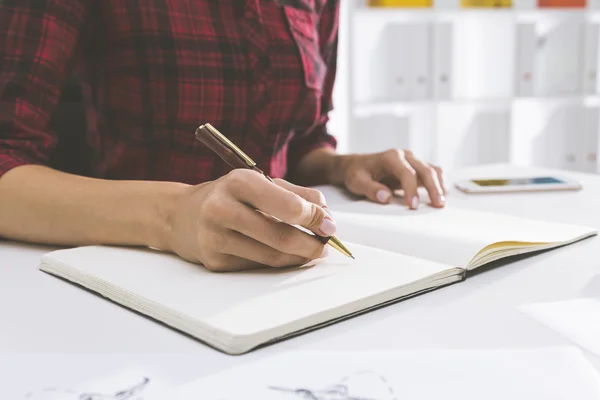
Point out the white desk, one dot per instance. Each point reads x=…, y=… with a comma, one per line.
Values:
x=81, y=334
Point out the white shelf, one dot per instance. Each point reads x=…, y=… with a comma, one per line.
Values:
x=399, y=60
x=367, y=105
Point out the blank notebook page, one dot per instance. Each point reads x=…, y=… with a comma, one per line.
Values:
x=245, y=302
x=456, y=234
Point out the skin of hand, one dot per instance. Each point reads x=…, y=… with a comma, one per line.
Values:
x=227, y=224
x=377, y=175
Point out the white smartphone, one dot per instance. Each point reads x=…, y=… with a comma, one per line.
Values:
x=526, y=184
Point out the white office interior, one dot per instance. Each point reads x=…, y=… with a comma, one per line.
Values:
x=468, y=86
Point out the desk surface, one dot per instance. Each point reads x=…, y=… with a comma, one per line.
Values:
x=48, y=326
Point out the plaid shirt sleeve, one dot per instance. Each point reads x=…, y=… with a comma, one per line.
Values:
x=318, y=136
x=38, y=40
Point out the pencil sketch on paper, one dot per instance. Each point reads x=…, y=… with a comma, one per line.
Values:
x=131, y=393
x=362, y=385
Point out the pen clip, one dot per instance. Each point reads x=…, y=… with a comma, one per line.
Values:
x=207, y=133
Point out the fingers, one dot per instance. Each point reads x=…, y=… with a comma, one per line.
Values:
x=410, y=172
x=252, y=189
x=362, y=183
x=273, y=234
x=397, y=164
x=239, y=252
x=428, y=175
x=441, y=178
x=308, y=194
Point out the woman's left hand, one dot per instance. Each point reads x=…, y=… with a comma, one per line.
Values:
x=377, y=175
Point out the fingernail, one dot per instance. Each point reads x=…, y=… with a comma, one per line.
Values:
x=327, y=227
x=442, y=199
x=383, y=196
x=414, y=203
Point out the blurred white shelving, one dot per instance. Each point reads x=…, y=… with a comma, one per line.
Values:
x=464, y=86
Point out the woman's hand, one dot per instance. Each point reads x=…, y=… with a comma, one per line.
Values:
x=377, y=175
x=218, y=225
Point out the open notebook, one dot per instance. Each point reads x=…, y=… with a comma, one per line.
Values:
x=456, y=236
x=398, y=254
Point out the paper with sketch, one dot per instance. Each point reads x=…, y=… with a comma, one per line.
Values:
x=123, y=385
x=578, y=320
x=456, y=234
x=554, y=373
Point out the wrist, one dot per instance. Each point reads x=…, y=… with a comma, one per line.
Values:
x=159, y=227
x=317, y=168
x=337, y=169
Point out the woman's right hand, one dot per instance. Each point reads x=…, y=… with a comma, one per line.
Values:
x=217, y=223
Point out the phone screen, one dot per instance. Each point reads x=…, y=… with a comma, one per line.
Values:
x=544, y=180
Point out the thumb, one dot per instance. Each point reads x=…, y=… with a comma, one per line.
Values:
x=314, y=216
x=363, y=184
x=317, y=220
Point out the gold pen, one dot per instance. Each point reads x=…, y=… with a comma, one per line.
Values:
x=235, y=157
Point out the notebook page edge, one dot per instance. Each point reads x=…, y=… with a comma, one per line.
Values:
x=284, y=332
x=235, y=320
x=526, y=248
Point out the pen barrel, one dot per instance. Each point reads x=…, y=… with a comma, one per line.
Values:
x=226, y=154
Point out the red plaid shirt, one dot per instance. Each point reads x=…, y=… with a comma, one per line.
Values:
x=261, y=71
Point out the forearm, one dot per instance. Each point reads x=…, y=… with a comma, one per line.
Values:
x=38, y=204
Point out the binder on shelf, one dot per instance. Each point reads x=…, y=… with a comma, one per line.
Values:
x=404, y=63
x=422, y=135
x=525, y=4
x=472, y=134
x=548, y=134
x=494, y=142
x=559, y=60
x=395, y=63
x=572, y=143
x=593, y=141
x=570, y=135
x=443, y=53
x=589, y=141
x=562, y=3
x=448, y=4
x=419, y=61
x=594, y=4
x=486, y=3
x=590, y=63
x=525, y=59
x=401, y=3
